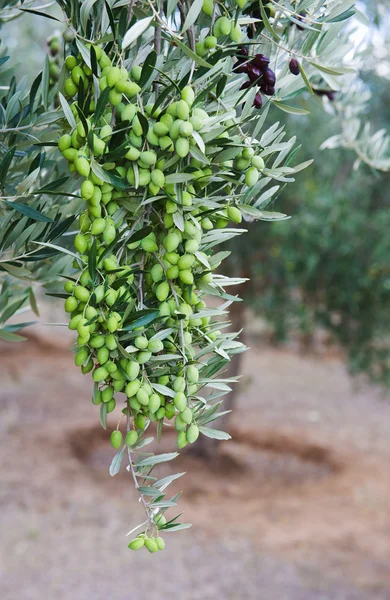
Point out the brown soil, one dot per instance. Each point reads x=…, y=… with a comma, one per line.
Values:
x=295, y=507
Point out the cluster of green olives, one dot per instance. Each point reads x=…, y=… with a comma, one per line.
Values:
x=136, y=300
x=223, y=27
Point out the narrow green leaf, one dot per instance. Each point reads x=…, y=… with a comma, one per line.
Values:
x=33, y=301
x=32, y=213
x=190, y=54
x=305, y=77
x=85, y=11
x=11, y=337
x=192, y=14
x=267, y=24
x=116, y=462
x=5, y=164
x=39, y=14
x=148, y=66
x=292, y=110
x=45, y=83
x=215, y=434
x=157, y=459
x=101, y=104
x=103, y=415
x=136, y=31
x=67, y=112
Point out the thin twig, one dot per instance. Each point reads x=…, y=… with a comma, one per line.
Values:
x=134, y=475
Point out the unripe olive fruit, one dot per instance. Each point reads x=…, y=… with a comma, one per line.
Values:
x=131, y=437
x=64, y=142
x=70, y=304
x=192, y=433
x=235, y=33
x=140, y=421
x=200, y=49
x=70, y=62
x=160, y=543
x=143, y=357
x=80, y=243
x=222, y=26
x=77, y=75
x=169, y=410
x=97, y=340
x=132, y=370
x=155, y=346
x=172, y=272
x=234, y=214
x=186, y=277
x=137, y=543
x=208, y=7
x=251, y=176
x=157, y=272
x=100, y=374
x=162, y=292
x=142, y=396
x=129, y=112
x=180, y=401
x=141, y=342
x=182, y=147
x=179, y=424
x=258, y=162
x=192, y=374
x=70, y=87
x=111, y=405
x=151, y=545
x=186, y=415
x=210, y=42
x=107, y=394
x=181, y=440
x=135, y=405
x=116, y=439
x=154, y=403
x=102, y=355
x=69, y=287
x=81, y=357
x=132, y=388
x=82, y=165
x=191, y=246
x=179, y=384
x=113, y=75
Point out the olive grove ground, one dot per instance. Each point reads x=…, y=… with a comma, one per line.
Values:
x=297, y=503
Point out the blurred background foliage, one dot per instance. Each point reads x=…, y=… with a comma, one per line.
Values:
x=328, y=265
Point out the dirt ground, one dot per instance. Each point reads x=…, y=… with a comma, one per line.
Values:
x=295, y=507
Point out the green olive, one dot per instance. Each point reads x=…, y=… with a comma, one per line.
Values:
x=116, y=439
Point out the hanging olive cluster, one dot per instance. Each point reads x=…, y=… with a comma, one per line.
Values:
x=258, y=71
x=137, y=303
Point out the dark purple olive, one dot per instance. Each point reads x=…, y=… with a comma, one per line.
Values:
x=261, y=61
x=254, y=73
x=294, y=66
x=242, y=51
x=250, y=32
x=331, y=95
x=258, y=101
x=269, y=77
x=245, y=85
x=299, y=18
x=268, y=90
x=241, y=66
